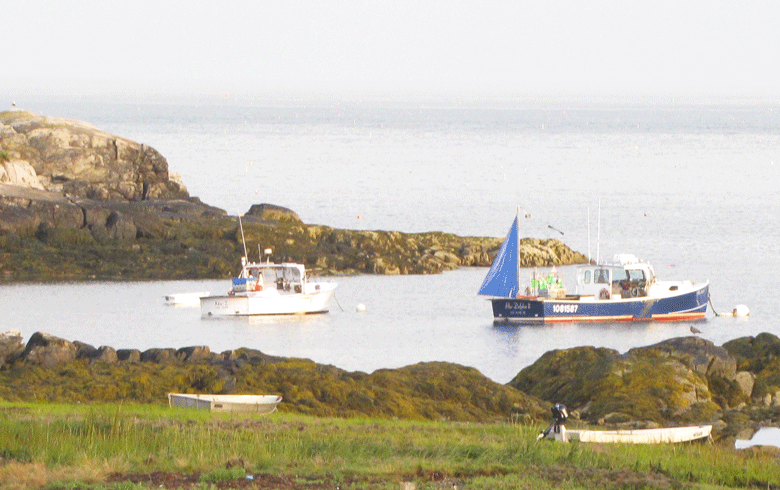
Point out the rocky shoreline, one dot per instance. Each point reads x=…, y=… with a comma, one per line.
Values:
x=78, y=203
x=681, y=381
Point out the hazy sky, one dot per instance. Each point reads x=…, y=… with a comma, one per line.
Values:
x=544, y=47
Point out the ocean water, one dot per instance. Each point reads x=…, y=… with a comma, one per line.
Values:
x=690, y=188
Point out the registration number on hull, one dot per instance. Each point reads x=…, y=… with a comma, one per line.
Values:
x=565, y=308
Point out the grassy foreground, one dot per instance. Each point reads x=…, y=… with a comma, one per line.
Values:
x=120, y=447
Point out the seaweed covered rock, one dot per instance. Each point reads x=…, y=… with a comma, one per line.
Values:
x=656, y=383
x=760, y=356
x=55, y=370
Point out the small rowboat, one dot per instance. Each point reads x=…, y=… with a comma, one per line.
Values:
x=669, y=435
x=262, y=404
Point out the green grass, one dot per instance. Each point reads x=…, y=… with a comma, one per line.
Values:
x=75, y=446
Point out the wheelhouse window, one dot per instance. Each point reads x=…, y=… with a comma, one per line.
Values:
x=636, y=275
x=602, y=276
x=587, y=277
x=619, y=275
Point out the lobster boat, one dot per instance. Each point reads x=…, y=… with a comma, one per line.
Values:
x=267, y=288
x=622, y=290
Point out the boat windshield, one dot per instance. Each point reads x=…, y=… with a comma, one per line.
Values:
x=601, y=276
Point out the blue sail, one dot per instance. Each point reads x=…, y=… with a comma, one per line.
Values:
x=502, y=279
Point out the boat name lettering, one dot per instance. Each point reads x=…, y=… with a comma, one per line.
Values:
x=565, y=308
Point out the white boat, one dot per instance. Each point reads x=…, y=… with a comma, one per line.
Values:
x=225, y=403
x=663, y=435
x=266, y=288
x=667, y=435
x=185, y=299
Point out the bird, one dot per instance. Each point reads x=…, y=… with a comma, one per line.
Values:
x=695, y=330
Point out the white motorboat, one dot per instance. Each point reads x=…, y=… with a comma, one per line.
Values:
x=262, y=404
x=266, y=288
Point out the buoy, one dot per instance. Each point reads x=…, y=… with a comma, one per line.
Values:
x=741, y=310
x=361, y=307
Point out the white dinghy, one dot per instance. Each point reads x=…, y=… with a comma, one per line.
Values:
x=262, y=404
x=667, y=435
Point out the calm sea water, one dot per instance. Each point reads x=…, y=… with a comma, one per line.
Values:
x=690, y=188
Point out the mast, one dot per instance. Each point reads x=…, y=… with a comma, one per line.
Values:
x=598, y=237
x=240, y=225
x=589, y=234
x=519, y=210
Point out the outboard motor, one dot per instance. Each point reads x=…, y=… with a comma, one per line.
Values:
x=559, y=416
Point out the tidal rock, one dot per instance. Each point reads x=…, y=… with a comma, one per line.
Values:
x=655, y=383
x=699, y=354
x=11, y=346
x=158, y=355
x=48, y=350
x=106, y=354
x=128, y=355
x=271, y=212
x=194, y=354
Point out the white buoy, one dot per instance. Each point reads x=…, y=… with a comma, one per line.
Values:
x=361, y=307
x=741, y=310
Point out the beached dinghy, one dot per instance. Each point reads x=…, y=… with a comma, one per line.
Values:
x=667, y=435
x=225, y=403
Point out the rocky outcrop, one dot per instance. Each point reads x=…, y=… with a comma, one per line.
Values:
x=264, y=213
x=82, y=162
x=683, y=379
x=59, y=173
x=83, y=193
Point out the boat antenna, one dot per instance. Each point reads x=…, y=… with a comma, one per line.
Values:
x=598, y=237
x=243, y=240
x=589, y=234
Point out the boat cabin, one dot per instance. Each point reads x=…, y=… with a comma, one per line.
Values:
x=625, y=277
x=254, y=276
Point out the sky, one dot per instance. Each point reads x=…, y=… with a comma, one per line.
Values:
x=391, y=48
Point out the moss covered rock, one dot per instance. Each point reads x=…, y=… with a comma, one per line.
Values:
x=656, y=383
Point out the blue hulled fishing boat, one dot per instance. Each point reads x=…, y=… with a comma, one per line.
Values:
x=625, y=289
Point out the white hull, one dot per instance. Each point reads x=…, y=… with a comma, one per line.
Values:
x=270, y=302
x=185, y=299
x=225, y=403
x=637, y=436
